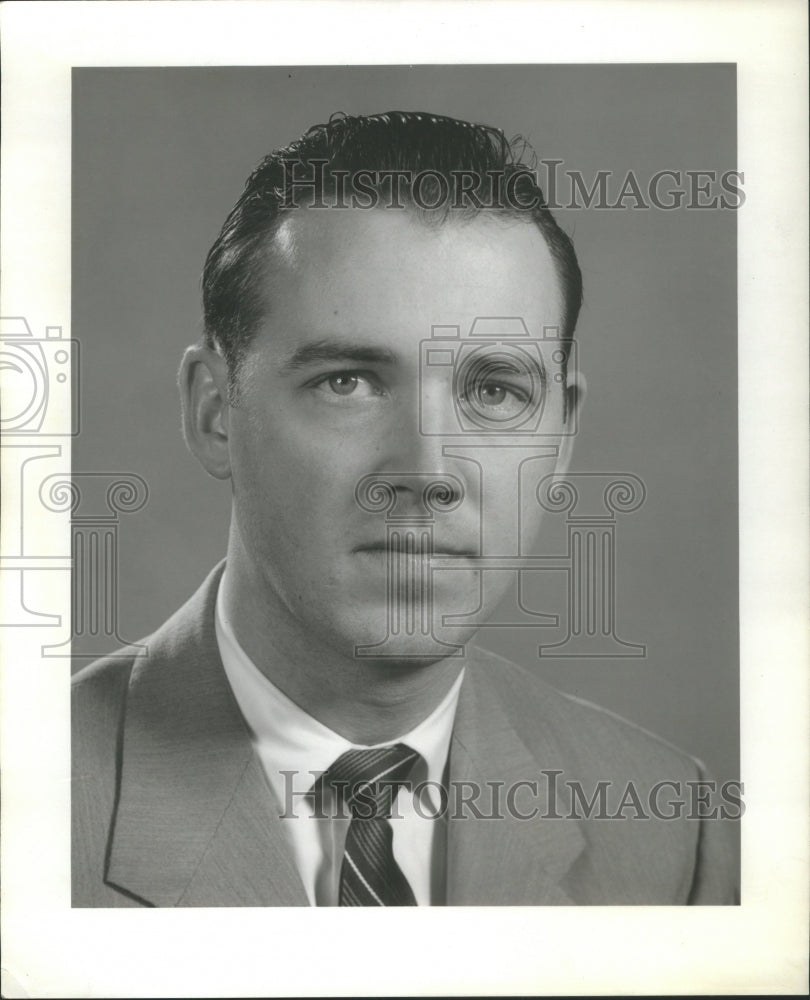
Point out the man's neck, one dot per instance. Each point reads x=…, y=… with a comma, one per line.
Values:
x=366, y=701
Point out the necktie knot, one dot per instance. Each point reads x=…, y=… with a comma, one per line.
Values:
x=367, y=780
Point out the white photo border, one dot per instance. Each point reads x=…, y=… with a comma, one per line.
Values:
x=758, y=947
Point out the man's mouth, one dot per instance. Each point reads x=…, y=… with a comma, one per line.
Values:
x=404, y=546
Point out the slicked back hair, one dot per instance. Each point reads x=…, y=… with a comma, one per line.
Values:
x=398, y=142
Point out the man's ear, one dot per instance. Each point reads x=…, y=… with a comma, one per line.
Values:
x=575, y=391
x=203, y=381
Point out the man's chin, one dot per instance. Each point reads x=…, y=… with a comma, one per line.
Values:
x=416, y=642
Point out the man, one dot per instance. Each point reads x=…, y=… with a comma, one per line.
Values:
x=387, y=364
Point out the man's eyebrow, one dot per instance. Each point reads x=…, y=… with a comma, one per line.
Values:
x=336, y=351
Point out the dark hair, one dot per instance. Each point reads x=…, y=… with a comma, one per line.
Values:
x=439, y=148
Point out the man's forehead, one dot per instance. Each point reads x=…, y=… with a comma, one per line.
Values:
x=328, y=237
x=364, y=273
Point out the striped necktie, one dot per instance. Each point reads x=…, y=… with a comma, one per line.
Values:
x=364, y=780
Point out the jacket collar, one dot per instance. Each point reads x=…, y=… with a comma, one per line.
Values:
x=197, y=825
x=506, y=860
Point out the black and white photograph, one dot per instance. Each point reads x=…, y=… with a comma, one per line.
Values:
x=380, y=511
x=462, y=468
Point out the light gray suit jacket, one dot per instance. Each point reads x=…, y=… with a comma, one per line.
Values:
x=171, y=806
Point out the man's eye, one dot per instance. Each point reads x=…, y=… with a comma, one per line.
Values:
x=491, y=393
x=495, y=394
x=358, y=385
x=343, y=385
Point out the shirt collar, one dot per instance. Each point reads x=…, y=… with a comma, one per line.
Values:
x=290, y=739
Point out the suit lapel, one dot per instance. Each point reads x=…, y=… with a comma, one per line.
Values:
x=196, y=823
x=506, y=860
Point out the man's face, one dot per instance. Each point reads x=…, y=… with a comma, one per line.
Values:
x=335, y=388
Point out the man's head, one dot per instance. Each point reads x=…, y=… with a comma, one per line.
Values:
x=322, y=372
x=409, y=159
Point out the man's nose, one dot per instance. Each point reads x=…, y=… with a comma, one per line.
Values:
x=416, y=436
x=411, y=458
x=409, y=496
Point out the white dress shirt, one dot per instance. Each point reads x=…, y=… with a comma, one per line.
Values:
x=288, y=739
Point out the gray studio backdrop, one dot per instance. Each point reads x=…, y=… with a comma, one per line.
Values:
x=161, y=154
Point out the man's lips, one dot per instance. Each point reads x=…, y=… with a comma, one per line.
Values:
x=443, y=549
